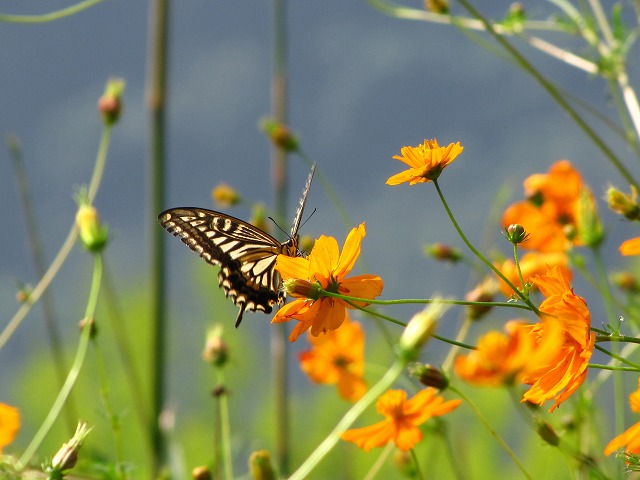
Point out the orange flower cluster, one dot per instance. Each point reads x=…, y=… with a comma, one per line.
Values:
x=559, y=212
x=402, y=419
x=631, y=436
x=338, y=357
x=552, y=356
x=325, y=269
x=551, y=210
x=9, y=424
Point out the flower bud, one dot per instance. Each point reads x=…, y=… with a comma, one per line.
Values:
x=437, y=6
x=588, y=223
x=429, y=376
x=484, y=292
x=419, y=329
x=92, y=234
x=279, y=135
x=547, y=433
x=624, y=204
x=440, y=251
x=299, y=288
x=625, y=281
x=215, y=350
x=67, y=456
x=515, y=233
x=110, y=104
x=260, y=466
x=225, y=196
x=201, y=473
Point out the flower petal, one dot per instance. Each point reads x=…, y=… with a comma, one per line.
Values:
x=292, y=267
x=350, y=252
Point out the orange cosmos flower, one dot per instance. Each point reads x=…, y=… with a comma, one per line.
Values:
x=550, y=212
x=531, y=264
x=630, y=247
x=426, y=162
x=9, y=424
x=402, y=419
x=325, y=269
x=631, y=436
x=338, y=357
x=562, y=372
x=506, y=359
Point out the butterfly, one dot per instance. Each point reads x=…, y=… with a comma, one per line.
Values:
x=245, y=254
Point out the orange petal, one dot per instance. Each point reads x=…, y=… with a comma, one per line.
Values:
x=292, y=267
x=350, y=251
x=630, y=247
x=323, y=258
x=376, y=435
x=362, y=286
x=623, y=439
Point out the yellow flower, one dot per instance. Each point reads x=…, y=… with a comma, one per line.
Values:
x=402, y=419
x=338, y=357
x=426, y=162
x=9, y=424
x=562, y=373
x=631, y=436
x=328, y=268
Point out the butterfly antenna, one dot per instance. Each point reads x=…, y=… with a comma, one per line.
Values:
x=278, y=226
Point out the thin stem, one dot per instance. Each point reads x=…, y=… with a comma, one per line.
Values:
x=492, y=432
x=380, y=461
x=225, y=425
x=65, y=249
x=482, y=258
x=76, y=367
x=156, y=97
x=347, y=420
x=33, y=237
x=48, y=17
x=279, y=341
x=553, y=93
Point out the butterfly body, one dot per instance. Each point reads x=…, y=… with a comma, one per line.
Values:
x=245, y=254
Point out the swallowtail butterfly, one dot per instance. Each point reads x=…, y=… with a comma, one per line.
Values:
x=245, y=254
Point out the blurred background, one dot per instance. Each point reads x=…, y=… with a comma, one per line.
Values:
x=362, y=85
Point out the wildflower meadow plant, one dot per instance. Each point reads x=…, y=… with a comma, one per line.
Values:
x=487, y=394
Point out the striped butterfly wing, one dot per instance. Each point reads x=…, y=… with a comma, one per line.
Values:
x=245, y=254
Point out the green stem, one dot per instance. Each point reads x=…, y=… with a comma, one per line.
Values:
x=159, y=24
x=48, y=17
x=553, y=93
x=481, y=257
x=33, y=237
x=347, y=420
x=279, y=340
x=65, y=249
x=225, y=425
x=492, y=432
x=76, y=367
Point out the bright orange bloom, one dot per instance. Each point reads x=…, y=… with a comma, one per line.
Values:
x=531, y=264
x=326, y=268
x=550, y=212
x=9, y=424
x=338, y=357
x=402, y=419
x=630, y=247
x=563, y=372
x=631, y=436
x=506, y=359
x=426, y=162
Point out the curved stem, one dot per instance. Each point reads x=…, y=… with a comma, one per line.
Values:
x=48, y=17
x=76, y=367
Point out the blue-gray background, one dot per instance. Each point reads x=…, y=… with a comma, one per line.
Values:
x=361, y=85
